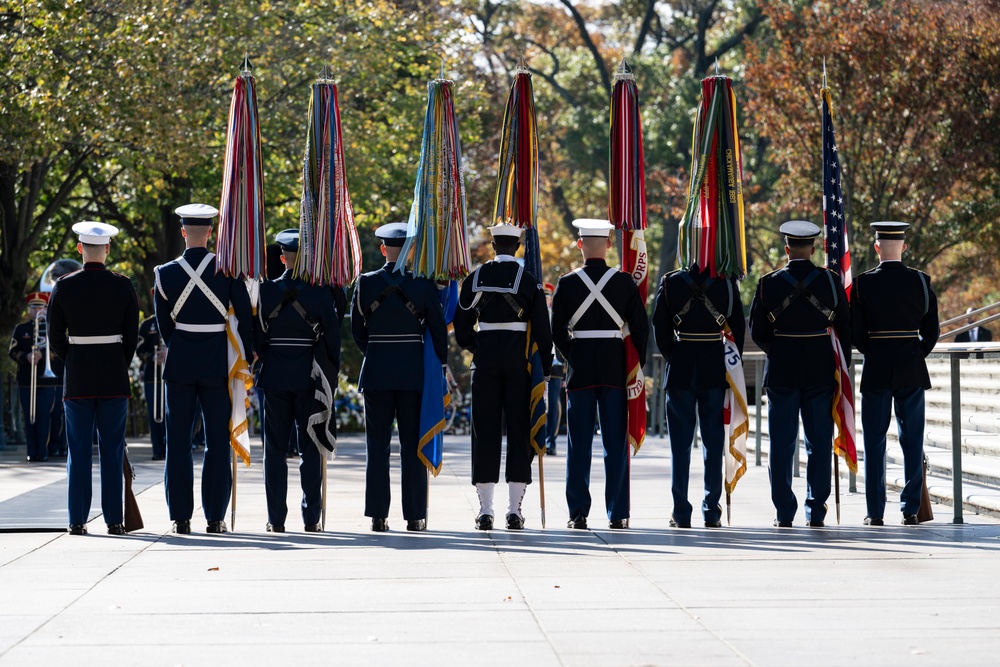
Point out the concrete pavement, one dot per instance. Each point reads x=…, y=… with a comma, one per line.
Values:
x=748, y=594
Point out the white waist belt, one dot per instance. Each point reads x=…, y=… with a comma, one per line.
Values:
x=292, y=342
x=95, y=340
x=503, y=326
x=201, y=328
x=598, y=333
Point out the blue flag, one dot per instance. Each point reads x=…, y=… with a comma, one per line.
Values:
x=434, y=397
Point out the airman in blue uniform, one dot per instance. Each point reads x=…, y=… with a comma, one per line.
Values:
x=590, y=308
x=688, y=319
x=790, y=318
x=895, y=325
x=93, y=326
x=389, y=313
x=192, y=303
x=293, y=319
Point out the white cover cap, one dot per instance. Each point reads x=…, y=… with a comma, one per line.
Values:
x=196, y=214
x=593, y=227
x=503, y=229
x=94, y=233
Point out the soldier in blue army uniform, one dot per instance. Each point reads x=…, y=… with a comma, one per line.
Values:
x=389, y=313
x=792, y=312
x=589, y=310
x=31, y=358
x=152, y=352
x=691, y=311
x=502, y=299
x=94, y=326
x=895, y=325
x=192, y=303
x=293, y=318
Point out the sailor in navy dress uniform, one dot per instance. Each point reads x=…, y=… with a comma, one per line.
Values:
x=691, y=310
x=589, y=309
x=791, y=313
x=192, y=303
x=293, y=317
x=152, y=352
x=895, y=323
x=389, y=313
x=497, y=303
x=94, y=326
x=22, y=351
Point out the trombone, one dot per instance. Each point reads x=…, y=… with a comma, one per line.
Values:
x=157, y=386
x=39, y=343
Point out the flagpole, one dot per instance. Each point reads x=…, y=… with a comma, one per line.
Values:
x=322, y=514
x=541, y=487
x=729, y=509
x=232, y=508
x=836, y=482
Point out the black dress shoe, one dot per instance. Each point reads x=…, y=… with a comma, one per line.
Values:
x=159, y=458
x=182, y=527
x=77, y=529
x=416, y=525
x=782, y=524
x=910, y=520
x=679, y=524
x=116, y=529
x=618, y=524
x=314, y=528
x=713, y=524
x=515, y=522
x=815, y=524
x=550, y=451
x=484, y=522
x=216, y=527
x=275, y=528
x=579, y=522
x=874, y=521
x=380, y=525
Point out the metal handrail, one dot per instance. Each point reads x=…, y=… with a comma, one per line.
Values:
x=954, y=351
x=967, y=327
x=977, y=311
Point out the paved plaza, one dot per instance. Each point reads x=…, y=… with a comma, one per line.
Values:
x=749, y=594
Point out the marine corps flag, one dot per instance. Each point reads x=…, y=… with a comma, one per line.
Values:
x=627, y=212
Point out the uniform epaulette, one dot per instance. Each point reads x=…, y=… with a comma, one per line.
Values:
x=768, y=275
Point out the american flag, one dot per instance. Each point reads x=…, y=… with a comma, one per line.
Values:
x=838, y=255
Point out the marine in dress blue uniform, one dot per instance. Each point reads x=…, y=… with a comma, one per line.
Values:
x=151, y=351
x=293, y=318
x=22, y=351
x=389, y=313
x=895, y=324
x=192, y=301
x=497, y=303
x=791, y=313
x=94, y=326
x=691, y=311
x=589, y=309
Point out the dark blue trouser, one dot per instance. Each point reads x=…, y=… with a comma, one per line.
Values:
x=583, y=406
x=288, y=411
x=36, y=434
x=381, y=407
x=57, y=425
x=108, y=416
x=157, y=429
x=815, y=404
x=216, y=473
x=683, y=405
x=554, y=413
x=875, y=406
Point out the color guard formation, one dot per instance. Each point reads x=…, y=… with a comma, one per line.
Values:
x=799, y=313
